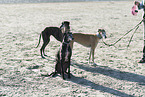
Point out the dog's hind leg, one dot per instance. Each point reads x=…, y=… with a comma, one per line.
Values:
x=42, y=51
x=53, y=74
x=45, y=42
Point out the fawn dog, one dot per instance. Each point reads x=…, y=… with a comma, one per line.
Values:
x=89, y=40
x=64, y=56
x=54, y=31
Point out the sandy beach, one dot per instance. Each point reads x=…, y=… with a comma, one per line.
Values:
x=116, y=73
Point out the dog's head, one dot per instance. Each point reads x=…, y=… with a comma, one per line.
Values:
x=101, y=33
x=68, y=37
x=65, y=26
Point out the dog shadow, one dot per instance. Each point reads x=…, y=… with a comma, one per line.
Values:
x=117, y=74
x=85, y=82
x=108, y=72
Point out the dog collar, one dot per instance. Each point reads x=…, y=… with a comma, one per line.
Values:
x=65, y=42
x=98, y=35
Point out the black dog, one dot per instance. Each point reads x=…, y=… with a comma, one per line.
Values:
x=64, y=56
x=54, y=31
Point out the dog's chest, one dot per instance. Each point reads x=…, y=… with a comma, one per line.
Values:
x=64, y=53
x=67, y=52
x=67, y=55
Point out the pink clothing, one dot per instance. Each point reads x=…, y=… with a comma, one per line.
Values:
x=134, y=10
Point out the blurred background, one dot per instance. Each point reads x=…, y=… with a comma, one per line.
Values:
x=45, y=1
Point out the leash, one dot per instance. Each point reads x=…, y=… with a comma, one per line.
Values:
x=136, y=27
x=132, y=36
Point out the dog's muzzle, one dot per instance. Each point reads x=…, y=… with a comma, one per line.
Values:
x=105, y=37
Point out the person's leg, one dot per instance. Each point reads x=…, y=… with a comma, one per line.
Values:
x=143, y=59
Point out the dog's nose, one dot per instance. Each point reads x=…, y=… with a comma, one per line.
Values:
x=105, y=36
x=136, y=10
x=72, y=38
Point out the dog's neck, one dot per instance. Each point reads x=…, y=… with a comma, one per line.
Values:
x=66, y=44
x=98, y=35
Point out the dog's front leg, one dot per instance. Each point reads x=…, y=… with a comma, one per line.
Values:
x=93, y=51
x=62, y=71
x=90, y=55
x=69, y=69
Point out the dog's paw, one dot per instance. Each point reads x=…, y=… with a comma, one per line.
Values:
x=42, y=57
x=63, y=78
x=45, y=55
x=45, y=75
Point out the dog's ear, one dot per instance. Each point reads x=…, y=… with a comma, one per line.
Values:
x=99, y=30
x=62, y=24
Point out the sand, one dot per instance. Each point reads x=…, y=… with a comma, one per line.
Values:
x=116, y=72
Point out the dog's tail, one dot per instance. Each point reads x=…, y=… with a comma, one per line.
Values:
x=39, y=41
x=47, y=75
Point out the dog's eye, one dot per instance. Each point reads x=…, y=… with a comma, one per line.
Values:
x=104, y=33
x=69, y=32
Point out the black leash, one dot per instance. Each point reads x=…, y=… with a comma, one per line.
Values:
x=132, y=36
x=136, y=27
